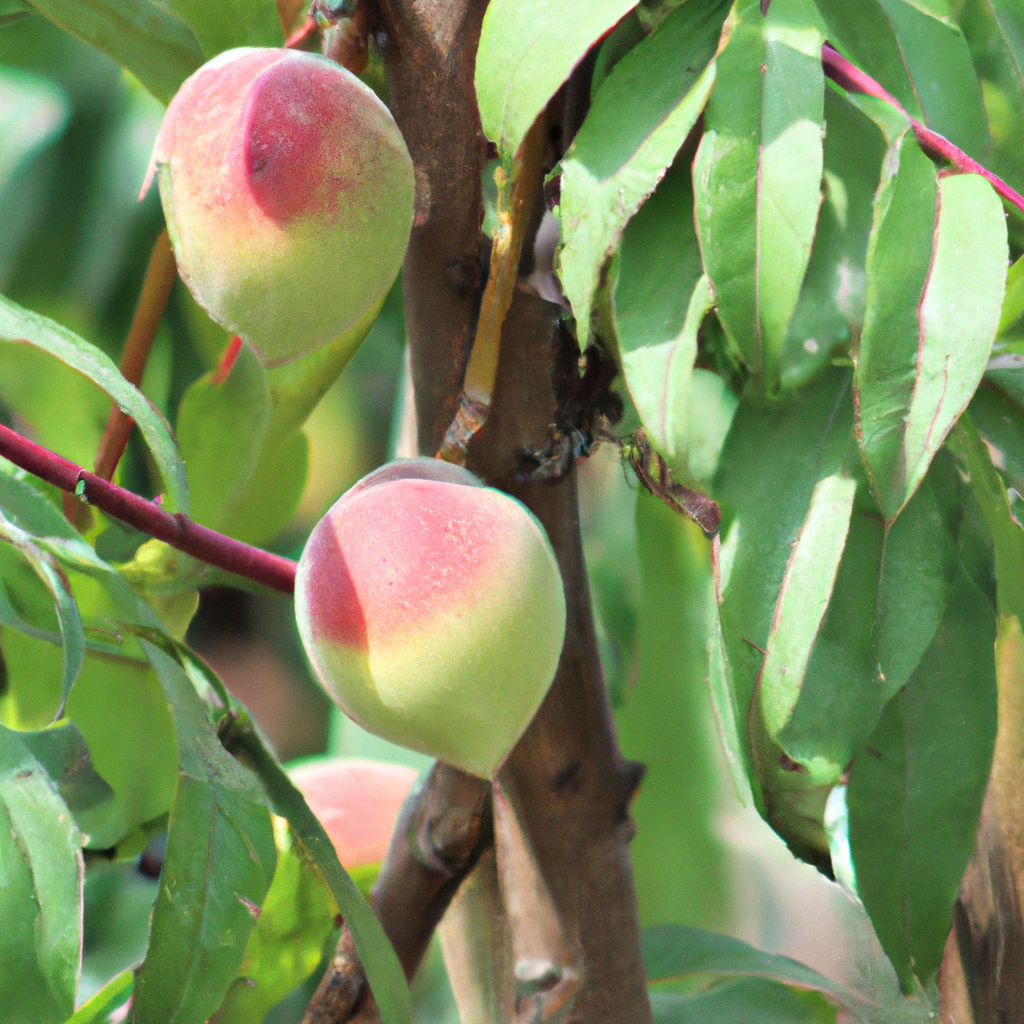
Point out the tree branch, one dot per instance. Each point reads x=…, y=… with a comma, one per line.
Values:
x=177, y=530
x=849, y=77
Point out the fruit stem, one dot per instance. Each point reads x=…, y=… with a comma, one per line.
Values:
x=515, y=204
x=174, y=529
x=849, y=77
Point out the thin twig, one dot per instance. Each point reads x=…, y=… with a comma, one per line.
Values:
x=156, y=290
x=513, y=219
x=848, y=76
x=177, y=530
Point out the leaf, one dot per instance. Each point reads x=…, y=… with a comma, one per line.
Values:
x=830, y=309
x=33, y=112
x=679, y=860
x=931, y=316
x=152, y=42
x=22, y=325
x=639, y=118
x=218, y=867
x=46, y=568
x=40, y=892
x=757, y=175
x=288, y=941
x=375, y=951
x=112, y=996
x=221, y=26
x=920, y=57
x=916, y=789
x=527, y=50
x=738, y=1002
x=1013, y=301
x=672, y=952
x=221, y=428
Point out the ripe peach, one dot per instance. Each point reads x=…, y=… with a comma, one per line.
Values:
x=431, y=608
x=357, y=803
x=288, y=193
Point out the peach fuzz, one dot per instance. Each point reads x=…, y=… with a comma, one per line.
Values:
x=432, y=611
x=357, y=802
x=288, y=194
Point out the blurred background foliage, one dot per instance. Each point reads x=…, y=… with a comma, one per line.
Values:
x=76, y=134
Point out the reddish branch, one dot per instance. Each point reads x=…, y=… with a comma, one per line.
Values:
x=848, y=76
x=175, y=529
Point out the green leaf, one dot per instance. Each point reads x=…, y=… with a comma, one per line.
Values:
x=111, y=997
x=678, y=857
x=230, y=23
x=757, y=175
x=288, y=941
x=22, y=325
x=33, y=112
x=638, y=120
x=1013, y=301
x=738, y=1002
x=40, y=892
x=221, y=428
x=53, y=576
x=920, y=56
x=916, y=789
x=527, y=50
x=674, y=953
x=831, y=305
x=152, y=42
x=218, y=867
x=375, y=951
x=934, y=290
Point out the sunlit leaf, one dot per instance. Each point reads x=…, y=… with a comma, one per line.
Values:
x=757, y=175
x=638, y=120
x=112, y=996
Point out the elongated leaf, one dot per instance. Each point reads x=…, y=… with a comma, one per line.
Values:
x=221, y=26
x=679, y=860
x=22, y=325
x=68, y=619
x=672, y=952
x=638, y=120
x=1013, y=301
x=219, y=865
x=41, y=892
x=63, y=754
x=934, y=291
x=375, y=951
x=111, y=997
x=737, y=1002
x=33, y=112
x=757, y=176
x=916, y=789
x=288, y=940
x=221, y=428
x=152, y=42
x=920, y=56
x=528, y=48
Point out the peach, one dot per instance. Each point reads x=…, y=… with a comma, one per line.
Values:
x=288, y=194
x=357, y=802
x=432, y=611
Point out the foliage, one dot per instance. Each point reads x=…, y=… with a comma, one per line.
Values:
x=813, y=322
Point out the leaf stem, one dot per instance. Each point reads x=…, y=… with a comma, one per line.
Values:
x=156, y=290
x=515, y=200
x=174, y=529
x=849, y=77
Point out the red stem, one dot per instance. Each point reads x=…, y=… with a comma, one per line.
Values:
x=848, y=76
x=177, y=530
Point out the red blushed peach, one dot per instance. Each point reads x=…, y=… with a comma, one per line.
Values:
x=357, y=802
x=288, y=194
x=432, y=611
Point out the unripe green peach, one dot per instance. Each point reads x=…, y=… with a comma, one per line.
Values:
x=357, y=803
x=431, y=608
x=288, y=194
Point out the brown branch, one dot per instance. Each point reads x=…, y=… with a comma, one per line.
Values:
x=849, y=77
x=156, y=290
x=175, y=529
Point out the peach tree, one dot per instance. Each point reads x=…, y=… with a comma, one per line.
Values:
x=711, y=411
